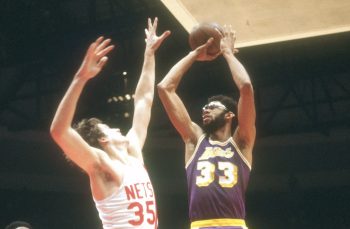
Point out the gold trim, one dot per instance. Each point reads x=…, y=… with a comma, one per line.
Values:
x=218, y=222
x=241, y=154
x=215, y=142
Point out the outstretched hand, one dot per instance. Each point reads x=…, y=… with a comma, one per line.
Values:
x=152, y=40
x=228, y=39
x=95, y=58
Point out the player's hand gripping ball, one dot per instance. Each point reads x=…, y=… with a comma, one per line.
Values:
x=202, y=32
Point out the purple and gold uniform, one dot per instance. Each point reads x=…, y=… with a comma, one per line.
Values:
x=217, y=178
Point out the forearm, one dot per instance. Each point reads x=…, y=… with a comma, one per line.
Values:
x=174, y=76
x=145, y=86
x=238, y=72
x=66, y=109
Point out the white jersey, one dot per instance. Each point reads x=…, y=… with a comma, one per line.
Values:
x=133, y=204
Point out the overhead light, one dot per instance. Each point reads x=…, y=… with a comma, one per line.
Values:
x=125, y=73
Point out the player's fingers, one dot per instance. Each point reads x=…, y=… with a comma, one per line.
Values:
x=105, y=51
x=219, y=32
x=149, y=24
x=155, y=24
x=103, y=45
x=102, y=62
x=206, y=44
x=231, y=29
x=209, y=41
x=164, y=35
x=99, y=39
x=90, y=51
x=226, y=30
x=233, y=32
x=146, y=32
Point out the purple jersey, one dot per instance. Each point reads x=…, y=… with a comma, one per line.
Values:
x=217, y=178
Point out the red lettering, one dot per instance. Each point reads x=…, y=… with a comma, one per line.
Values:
x=139, y=191
x=144, y=190
x=150, y=188
x=151, y=212
x=137, y=188
x=138, y=214
x=130, y=193
x=150, y=217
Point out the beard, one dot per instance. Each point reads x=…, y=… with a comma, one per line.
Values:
x=215, y=124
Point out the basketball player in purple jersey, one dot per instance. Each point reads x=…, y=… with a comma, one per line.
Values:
x=218, y=157
x=120, y=185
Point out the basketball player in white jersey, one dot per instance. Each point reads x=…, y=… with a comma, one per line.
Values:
x=119, y=182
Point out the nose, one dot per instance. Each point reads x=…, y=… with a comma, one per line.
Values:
x=205, y=111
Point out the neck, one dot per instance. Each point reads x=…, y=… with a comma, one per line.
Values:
x=221, y=134
x=117, y=152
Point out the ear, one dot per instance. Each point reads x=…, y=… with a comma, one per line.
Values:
x=102, y=140
x=229, y=115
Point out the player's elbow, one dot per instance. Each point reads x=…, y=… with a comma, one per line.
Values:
x=57, y=133
x=246, y=88
x=162, y=92
x=164, y=89
x=161, y=87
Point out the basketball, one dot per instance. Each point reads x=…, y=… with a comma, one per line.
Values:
x=202, y=32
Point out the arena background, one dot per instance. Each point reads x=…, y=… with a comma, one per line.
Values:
x=301, y=169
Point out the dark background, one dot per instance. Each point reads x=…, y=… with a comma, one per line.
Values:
x=300, y=176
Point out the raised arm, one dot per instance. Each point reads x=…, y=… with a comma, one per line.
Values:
x=245, y=132
x=172, y=103
x=61, y=128
x=144, y=93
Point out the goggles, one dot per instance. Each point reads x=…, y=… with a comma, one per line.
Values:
x=213, y=105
